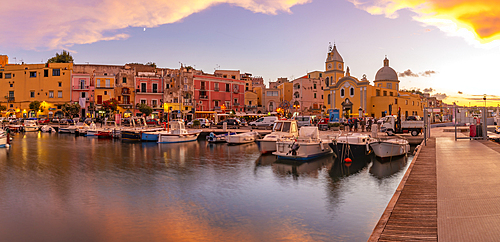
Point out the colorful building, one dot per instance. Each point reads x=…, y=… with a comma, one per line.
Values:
x=82, y=90
x=307, y=97
x=22, y=84
x=149, y=90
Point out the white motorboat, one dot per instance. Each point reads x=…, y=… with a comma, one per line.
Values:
x=242, y=138
x=282, y=129
x=354, y=146
x=30, y=125
x=4, y=139
x=306, y=146
x=177, y=133
x=390, y=147
x=92, y=130
x=47, y=129
x=218, y=138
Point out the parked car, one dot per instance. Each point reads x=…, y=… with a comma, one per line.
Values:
x=55, y=120
x=304, y=120
x=264, y=121
x=204, y=123
x=323, y=124
x=44, y=121
x=229, y=121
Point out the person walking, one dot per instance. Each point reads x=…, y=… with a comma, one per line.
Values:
x=356, y=121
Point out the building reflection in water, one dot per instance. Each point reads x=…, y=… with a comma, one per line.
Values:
x=387, y=167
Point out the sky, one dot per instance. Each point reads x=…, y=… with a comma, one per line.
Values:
x=448, y=47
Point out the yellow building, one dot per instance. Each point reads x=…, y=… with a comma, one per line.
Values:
x=104, y=88
x=356, y=98
x=22, y=84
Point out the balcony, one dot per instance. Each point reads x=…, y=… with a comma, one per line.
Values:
x=236, y=90
x=216, y=89
x=203, y=88
x=124, y=103
x=203, y=97
x=147, y=91
x=81, y=88
x=187, y=103
x=11, y=99
x=104, y=87
x=236, y=104
x=216, y=108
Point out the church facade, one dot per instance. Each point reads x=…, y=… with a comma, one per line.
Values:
x=359, y=98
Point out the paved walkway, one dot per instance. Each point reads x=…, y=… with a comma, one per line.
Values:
x=467, y=208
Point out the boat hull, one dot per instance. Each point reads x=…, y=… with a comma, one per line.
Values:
x=242, y=138
x=147, y=136
x=131, y=135
x=266, y=146
x=386, y=149
x=353, y=151
x=306, y=151
x=31, y=129
x=167, y=138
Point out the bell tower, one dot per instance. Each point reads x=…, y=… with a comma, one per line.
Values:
x=334, y=66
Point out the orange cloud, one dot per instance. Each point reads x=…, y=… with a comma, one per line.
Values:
x=479, y=18
x=53, y=24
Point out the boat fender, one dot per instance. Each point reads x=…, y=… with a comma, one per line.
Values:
x=322, y=146
x=347, y=160
x=295, y=147
x=367, y=147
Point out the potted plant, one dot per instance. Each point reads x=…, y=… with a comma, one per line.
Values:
x=334, y=126
x=196, y=123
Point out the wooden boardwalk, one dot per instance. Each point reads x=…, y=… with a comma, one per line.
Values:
x=412, y=211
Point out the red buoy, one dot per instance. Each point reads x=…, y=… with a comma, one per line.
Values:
x=347, y=160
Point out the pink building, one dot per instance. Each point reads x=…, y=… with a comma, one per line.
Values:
x=308, y=93
x=219, y=94
x=82, y=90
x=149, y=90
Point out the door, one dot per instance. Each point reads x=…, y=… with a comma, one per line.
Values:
x=99, y=99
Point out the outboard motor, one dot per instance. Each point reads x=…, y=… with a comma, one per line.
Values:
x=295, y=147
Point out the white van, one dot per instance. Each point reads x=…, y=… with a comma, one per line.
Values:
x=264, y=121
x=304, y=120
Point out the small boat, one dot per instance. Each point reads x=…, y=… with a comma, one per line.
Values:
x=92, y=130
x=177, y=133
x=354, y=146
x=30, y=125
x=308, y=145
x=218, y=138
x=66, y=129
x=105, y=133
x=390, y=147
x=47, y=129
x=134, y=133
x=281, y=129
x=242, y=138
x=150, y=135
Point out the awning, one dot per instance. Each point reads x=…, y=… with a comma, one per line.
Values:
x=211, y=112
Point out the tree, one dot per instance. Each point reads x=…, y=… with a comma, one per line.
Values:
x=64, y=57
x=110, y=105
x=36, y=106
x=3, y=108
x=150, y=63
x=71, y=109
x=145, y=109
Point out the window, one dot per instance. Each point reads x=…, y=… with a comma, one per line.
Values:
x=59, y=106
x=390, y=94
x=385, y=93
x=406, y=102
x=105, y=92
x=12, y=105
x=250, y=103
x=327, y=80
x=32, y=94
x=328, y=98
x=413, y=103
x=83, y=94
x=154, y=103
x=216, y=86
x=124, y=80
x=1, y=74
x=143, y=101
x=11, y=85
x=51, y=94
x=314, y=86
x=60, y=84
x=389, y=85
x=342, y=92
x=272, y=93
x=321, y=96
x=377, y=92
x=143, y=87
x=236, y=101
x=216, y=103
x=396, y=101
x=234, y=77
x=98, y=83
x=227, y=88
x=119, y=98
x=8, y=75
x=82, y=84
x=352, y=91
x=56, y=72
x=320, y=74
x=59, y=94
x=108, y=84
x=32, y=73
x=314, y=95
x=155, y=87
x=45, y=73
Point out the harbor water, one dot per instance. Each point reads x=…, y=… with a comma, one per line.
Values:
x=58, y=187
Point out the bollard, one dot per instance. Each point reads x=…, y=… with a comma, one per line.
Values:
x=374, y=130
x=224, y=126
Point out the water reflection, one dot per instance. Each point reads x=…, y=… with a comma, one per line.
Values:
x=387, y=167
x=342, y=169
x=57, y=187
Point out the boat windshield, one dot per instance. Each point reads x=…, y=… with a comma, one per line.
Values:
x=277, y=126
x=286, y=127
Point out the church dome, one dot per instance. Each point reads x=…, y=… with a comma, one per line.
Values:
x=386, y=73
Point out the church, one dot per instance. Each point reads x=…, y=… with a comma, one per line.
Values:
x=355, y=97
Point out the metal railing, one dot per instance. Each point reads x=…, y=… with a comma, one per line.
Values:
x=147, y=91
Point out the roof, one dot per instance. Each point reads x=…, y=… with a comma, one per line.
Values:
x=386, y=73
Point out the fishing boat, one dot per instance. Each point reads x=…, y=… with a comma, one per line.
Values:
x=308, y=145
x=392, y=147
x=282, y=129
x=151, y=135
x=218, y=138
x=354, y=146
x=105, y=133
x=134, y=133
x=30, y=125
x=242, y=138
x=177, y=133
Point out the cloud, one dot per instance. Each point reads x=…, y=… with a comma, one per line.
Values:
x=440, y=96
x=407, y=73
x=56, y=24
x=427, y=73
x=428, y=89
x=476, y=20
